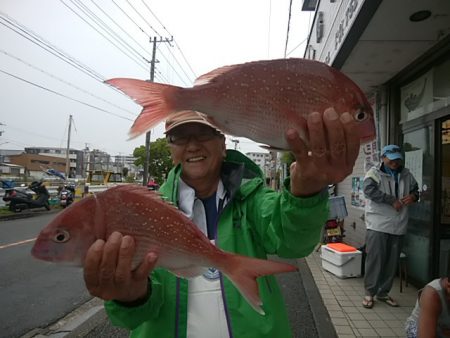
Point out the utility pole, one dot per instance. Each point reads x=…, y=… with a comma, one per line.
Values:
x=236, y=141
x=67, y=149
x=148, y=134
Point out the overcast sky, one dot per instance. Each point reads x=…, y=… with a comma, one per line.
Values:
x=54, y=55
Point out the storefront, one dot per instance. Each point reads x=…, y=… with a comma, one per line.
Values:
x=399, y=54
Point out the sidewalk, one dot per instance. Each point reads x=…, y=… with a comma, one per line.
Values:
x=343, y=300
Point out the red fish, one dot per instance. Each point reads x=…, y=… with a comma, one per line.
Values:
x=259, y=100
x=155, y=226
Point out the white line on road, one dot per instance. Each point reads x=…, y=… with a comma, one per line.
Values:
x=17, y=243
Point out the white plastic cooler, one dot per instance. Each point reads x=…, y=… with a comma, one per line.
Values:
x=342, y=260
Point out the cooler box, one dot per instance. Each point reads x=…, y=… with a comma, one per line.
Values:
x=341, y=260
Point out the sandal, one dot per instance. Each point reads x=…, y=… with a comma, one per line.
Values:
x=388, y=300
x=368, y=302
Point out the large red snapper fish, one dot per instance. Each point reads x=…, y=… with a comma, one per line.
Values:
x=259, y=100
x=155, y=226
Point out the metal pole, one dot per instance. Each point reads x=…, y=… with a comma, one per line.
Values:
x=68, y=148
x=148, y=134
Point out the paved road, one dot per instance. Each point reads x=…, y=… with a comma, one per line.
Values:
x=33, y=293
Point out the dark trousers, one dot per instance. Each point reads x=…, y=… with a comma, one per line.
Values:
x=383, y=254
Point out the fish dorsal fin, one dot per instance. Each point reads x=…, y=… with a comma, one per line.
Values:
x=209, y=77
x=145, y=193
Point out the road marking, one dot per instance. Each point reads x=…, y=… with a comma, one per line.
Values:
x=17, y=243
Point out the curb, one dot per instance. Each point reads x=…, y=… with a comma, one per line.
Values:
x=28, y=214
x=77, y=323
x=324, y=326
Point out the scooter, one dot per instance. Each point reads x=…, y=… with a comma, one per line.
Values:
x=21, y=200
x=66, y=195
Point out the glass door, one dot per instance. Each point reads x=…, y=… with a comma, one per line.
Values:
x=418, y=145
x=443, y=194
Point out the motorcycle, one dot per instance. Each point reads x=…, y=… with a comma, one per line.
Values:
x=66, y=195
x=22, y=200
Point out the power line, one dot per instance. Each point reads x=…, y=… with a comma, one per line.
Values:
x=63, y=95
x=159, y=21
x=120, y=27
x=288, y=27
x=39, y=41
x=176, y=44
x=301, y=43
x=162, y=54
x=131, y=57
x=181, y=67
x=64, y=81
x=48, y=47
x=151, y=27
x=110, y=31
x=120, y=8
x=185, y=60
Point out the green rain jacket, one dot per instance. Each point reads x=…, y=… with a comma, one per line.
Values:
x=256, y=222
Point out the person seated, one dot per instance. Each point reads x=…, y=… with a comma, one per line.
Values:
x=430, y=317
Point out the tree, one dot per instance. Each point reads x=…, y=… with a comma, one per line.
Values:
x=125, y=172
x=287, y=158
x=160, y=161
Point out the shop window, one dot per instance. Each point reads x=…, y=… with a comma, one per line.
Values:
x=427, y=93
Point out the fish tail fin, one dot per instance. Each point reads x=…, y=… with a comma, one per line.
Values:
x=243, y=271
x=157, y=100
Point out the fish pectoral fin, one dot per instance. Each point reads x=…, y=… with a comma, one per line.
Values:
x=189, y=272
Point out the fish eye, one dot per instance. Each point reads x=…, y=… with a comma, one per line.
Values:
x=360, y=115
x=61, y=236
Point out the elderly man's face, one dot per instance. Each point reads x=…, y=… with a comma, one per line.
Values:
x=200, y=150
x=392, y=164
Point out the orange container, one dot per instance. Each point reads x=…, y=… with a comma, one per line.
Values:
x=341, y=247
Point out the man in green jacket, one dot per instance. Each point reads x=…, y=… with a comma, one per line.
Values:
x=223, y=192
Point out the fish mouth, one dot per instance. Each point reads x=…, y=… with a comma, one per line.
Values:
x=366, y=139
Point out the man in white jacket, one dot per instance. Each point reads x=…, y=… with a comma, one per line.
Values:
x=389, y=189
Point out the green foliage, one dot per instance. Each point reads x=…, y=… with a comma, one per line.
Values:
x=129, y=179
x=160, y=161
x=287, y=158
x=125, y=172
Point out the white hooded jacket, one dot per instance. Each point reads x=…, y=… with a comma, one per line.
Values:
x=379, y=190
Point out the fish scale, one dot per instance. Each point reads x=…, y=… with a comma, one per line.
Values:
x=155, y=226
x=259, y=100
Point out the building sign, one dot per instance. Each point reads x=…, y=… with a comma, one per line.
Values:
x=371, y=155
x=343, y=21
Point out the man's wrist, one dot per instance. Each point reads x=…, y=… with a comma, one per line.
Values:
x=139, y=301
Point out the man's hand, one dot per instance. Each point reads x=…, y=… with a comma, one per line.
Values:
x=333, y=149
x=397, y=205
x=107, y=270
x=408, y=199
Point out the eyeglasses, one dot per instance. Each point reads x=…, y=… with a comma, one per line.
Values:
x=203, y=136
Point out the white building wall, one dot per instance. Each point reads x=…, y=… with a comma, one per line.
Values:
x=355, y=229
x=330, y=28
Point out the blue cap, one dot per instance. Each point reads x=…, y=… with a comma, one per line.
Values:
x=392, y=152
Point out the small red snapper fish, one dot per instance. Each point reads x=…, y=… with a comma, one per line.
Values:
x=259, y=100
x=155, y=226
